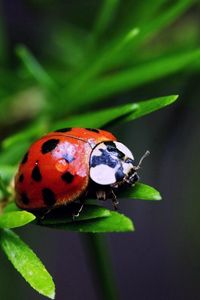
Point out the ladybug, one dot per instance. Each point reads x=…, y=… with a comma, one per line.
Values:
x=70, y=164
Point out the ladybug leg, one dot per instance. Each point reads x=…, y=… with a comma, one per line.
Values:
x=77, y=213
x=115, y=202
x=101, y=195
x=42, y=216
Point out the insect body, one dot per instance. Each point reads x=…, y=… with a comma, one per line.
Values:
x=69, y=163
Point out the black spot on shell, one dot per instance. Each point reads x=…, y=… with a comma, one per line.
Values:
x=25, y=158
x=48, y=197
x=25, y=199
x=64, y=129
x=67, y=177
x=21, y=178
x=49, y=145
x=36, y=175
x=92, y=129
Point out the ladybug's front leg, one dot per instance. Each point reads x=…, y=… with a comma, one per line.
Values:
x=115, y=202
x=101, y=195
x=104, y=195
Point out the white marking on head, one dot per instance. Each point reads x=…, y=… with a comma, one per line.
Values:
x=103, y=174
x=107, y=165
x=124, y=150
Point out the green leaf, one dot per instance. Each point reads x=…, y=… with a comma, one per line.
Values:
x=3, y=188
x=7, y=172
x=117, y=114
x=94, y=119
x=99, y=118
x=141, y=191
x=35, y=69
x=105, y=17
x=147, y=107
x=168, y=16
x=134, y=77
x=15, y=219
x=65, y=215
x=27, y=263
x=11, y=207
x=116, y=222
x=12, y=155
x=32, y=132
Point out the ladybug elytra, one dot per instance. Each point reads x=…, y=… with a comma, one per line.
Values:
x=70, y=163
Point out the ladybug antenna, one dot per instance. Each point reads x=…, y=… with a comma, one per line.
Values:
x=141, y=159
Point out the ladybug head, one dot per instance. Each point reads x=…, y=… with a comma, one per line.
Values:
x=112, y=163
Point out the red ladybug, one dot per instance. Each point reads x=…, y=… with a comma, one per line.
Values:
x=65, y=165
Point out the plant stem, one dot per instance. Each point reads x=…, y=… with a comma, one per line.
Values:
x=98, y=257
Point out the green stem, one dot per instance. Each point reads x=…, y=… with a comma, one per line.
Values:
x=98, y=256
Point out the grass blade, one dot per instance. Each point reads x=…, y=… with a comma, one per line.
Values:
x=27, y=263
x=34, y=68
x=137, y=76
x=121, y=113
x=64, y=215
x=147, y=107
x=3, y=189
x=6, y=173
x=166, y=17
x=32, y=132
x=105, y=17
x=116, y=222
x=98, y=119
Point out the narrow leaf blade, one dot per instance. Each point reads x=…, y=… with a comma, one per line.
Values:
x=98, y=119
x=15, y=219
x=136, y=76
x=121, y=113
x=106, y=14
x=27, y=263
x=116, y=222
x=147, y=107
x=35, y=69
x=63, y=215
x=3, y=188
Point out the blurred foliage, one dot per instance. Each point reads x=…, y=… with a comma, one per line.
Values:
x=81, y=58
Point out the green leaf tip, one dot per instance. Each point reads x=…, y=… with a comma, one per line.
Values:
x=14, y=219
x=141, y=191
x=149, y=106
x=27, y=263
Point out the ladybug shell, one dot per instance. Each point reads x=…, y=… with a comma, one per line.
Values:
x=55, y=170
